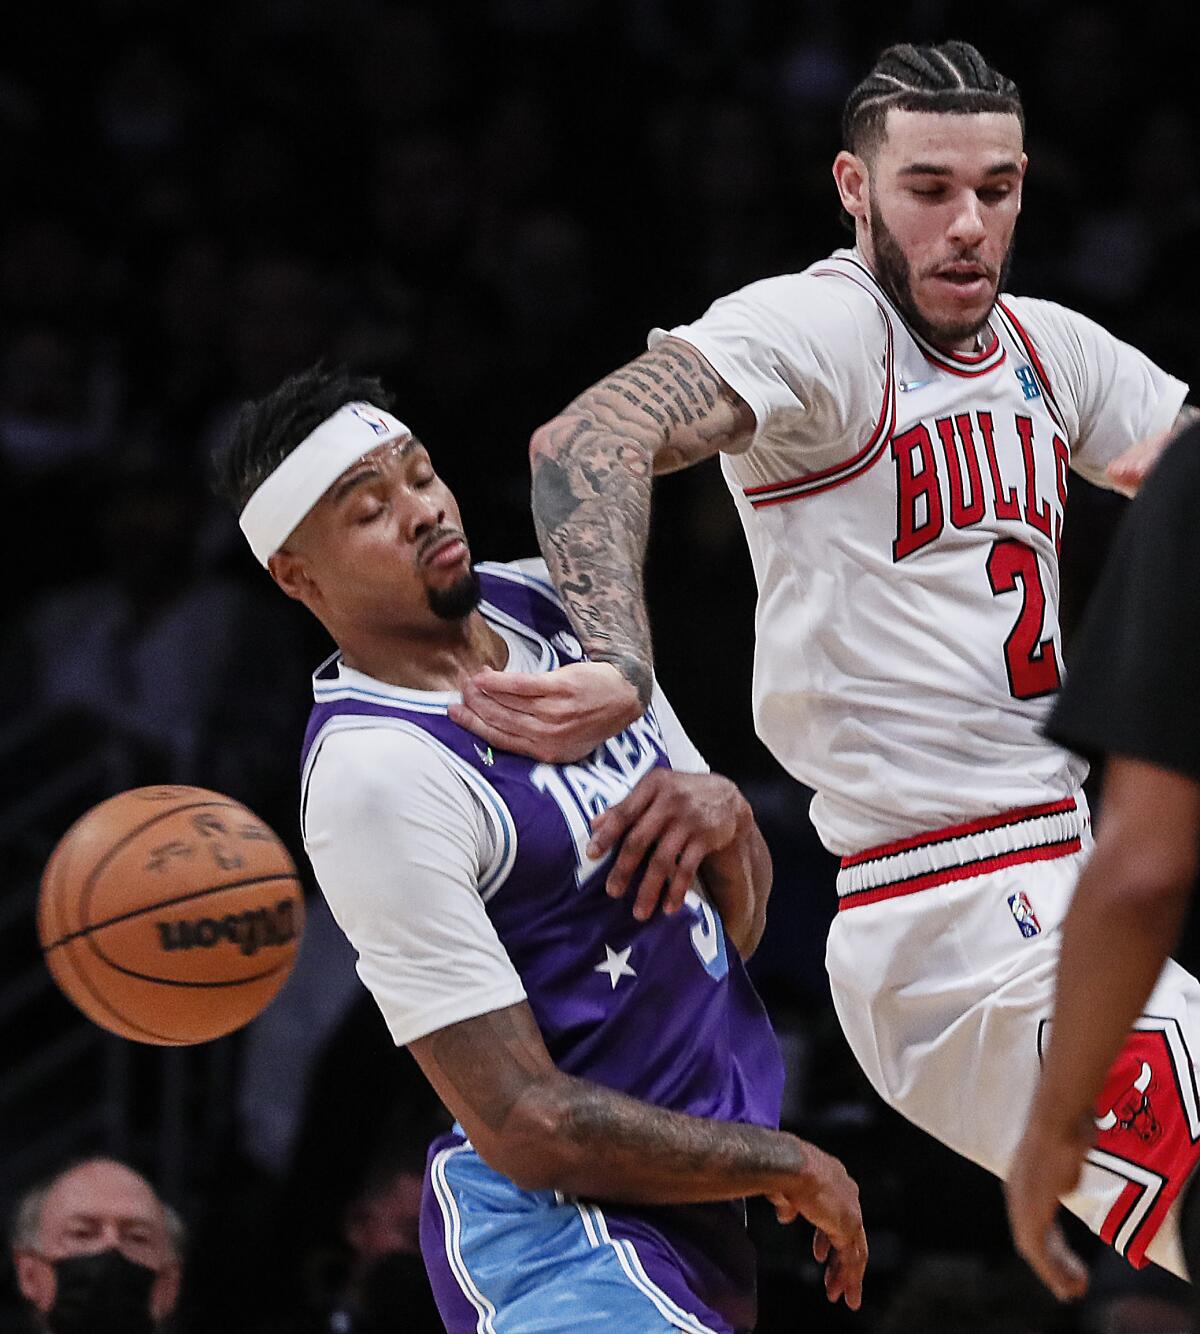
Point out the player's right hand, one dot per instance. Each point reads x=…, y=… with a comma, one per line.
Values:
x=556, y=717
x=1045, y=1167
x=827, y=1195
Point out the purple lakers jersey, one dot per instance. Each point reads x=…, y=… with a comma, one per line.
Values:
x=661, y=1010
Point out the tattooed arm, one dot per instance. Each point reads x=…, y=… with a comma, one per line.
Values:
x=546, y=1130
x=592, y=471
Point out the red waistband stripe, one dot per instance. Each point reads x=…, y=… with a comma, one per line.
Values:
x=1038, y=833
x=1021, y=815
x=963, y=871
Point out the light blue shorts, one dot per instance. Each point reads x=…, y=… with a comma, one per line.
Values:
x=508, y=1261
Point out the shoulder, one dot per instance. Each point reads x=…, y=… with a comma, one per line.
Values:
x=821, y=299
x=530, y=571
x=1052, y=326
x=521, y=587
x=360, y=769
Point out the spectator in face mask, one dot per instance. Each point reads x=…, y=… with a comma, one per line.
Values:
x=97, y=1252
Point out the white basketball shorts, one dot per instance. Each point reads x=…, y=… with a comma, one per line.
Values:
x=941, y=961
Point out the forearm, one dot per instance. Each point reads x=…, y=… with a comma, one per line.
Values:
x=587, y=1140
x=548, y=1130
x=737, y=880
x=591, y=508
x=1116, y=938
x=593, y=467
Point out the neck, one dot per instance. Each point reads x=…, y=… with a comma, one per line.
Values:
x=901, y=300
x=443, y=659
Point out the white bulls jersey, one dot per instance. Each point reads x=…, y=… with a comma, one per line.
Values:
x=904, y=511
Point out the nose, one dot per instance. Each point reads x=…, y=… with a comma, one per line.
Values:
x=966, y=227
x=426, y=513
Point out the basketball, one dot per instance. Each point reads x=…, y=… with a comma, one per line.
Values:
x=170, y=915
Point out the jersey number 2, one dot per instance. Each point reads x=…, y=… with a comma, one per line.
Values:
x=1031, y=661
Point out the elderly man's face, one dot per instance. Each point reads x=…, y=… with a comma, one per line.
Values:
x=99, y=1207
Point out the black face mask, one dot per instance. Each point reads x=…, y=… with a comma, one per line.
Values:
x=105, y=1293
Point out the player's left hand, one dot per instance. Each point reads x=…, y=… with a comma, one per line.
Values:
x=676, y=819
x=1045, y=1167
x=556, y=717
x=1129, y=470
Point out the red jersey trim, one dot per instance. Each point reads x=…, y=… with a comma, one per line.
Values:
x=795, y=488
x=966, y=365
x=1035, y=361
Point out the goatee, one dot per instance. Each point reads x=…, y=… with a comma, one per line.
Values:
x=895, y=277
x=457, y=601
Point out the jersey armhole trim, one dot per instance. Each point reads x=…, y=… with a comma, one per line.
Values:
x=796, y=488
x=1017, y=329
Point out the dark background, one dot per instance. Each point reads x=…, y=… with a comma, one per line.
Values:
x=488, y=204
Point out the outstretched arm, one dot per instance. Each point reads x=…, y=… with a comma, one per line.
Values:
x=1128, y=471
x=546, y=1130
x=593, y=467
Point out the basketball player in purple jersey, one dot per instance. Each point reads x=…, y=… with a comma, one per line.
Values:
x=615, y=1080
x=898, y=435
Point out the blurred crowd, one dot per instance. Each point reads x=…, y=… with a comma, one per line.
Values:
x=488, y=205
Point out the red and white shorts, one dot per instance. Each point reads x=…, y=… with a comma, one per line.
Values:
x=941, y=961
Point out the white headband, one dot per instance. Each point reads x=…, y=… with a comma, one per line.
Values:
x=273, y=511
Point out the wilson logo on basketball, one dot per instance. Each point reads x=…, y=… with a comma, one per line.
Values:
x=250, y=931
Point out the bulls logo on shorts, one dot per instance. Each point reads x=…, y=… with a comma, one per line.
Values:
x=1147, y=1131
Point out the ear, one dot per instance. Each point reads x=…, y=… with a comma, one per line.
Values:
x=290, y=572
x=853, y=184
x=35, y=1278
x=165, y=1293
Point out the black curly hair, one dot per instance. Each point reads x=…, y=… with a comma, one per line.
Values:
x=269, y=428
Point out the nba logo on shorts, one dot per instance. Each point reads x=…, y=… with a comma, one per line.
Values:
x=1023, y=914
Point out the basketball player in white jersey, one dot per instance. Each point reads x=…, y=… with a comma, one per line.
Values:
x=898, y=437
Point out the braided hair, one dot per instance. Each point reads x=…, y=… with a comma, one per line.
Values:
x=952, y=77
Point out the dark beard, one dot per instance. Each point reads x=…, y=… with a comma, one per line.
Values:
x=457, y=601
x=895, y=277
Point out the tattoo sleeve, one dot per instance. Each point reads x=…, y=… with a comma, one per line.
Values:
x=540, y=1126
x=593, y=467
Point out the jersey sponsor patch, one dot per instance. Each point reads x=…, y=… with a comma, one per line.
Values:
x=1023, y=914
x=1027, y=379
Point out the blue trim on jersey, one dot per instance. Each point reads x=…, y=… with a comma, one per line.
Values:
x=530, y=1260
